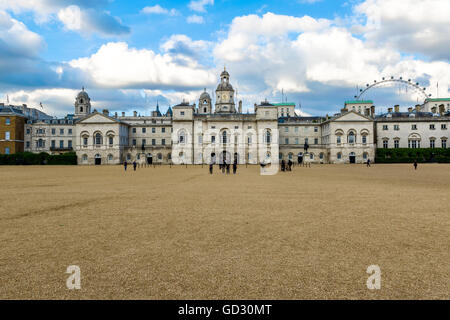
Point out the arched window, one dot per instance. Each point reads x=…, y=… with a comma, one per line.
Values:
x=182, y=137
x=224, y=137
x=110, y=157
x=321, y=156
x=339, y=156
x=311, y=156
x=268, y=136
x=351, y=137
x=84, y=158
x=159, y=156
x=98, y=139
x=290, y=156
x=365, y=155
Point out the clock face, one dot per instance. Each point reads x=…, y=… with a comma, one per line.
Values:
x=224, y=96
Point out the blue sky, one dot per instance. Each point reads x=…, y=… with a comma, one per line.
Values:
x=130, y=54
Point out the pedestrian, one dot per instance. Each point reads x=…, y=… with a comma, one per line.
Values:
x=368, y=162
x=415, y=164
x=234, y=166
x=211, y=168
x=125, y=165
x=223, y=166
x=283, y=165
x=290, y=165
x=134, y=165
x=228, y=168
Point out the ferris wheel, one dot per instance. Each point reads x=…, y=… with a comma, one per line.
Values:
x=400, y=82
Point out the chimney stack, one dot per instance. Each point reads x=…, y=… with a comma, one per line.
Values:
x=372, y=111
x=410, y=109
x=134, y=113
x=442, y=109
x=123, y=114
x=389, y=110
x=105, y=112
x=434, y=110
x=397, y=108
x=417, y=107
x=115, y=115
x=240, y=106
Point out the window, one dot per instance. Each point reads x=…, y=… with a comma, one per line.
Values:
x=98, y=139
x=7, y=151
x=413, y=144
x=385, y=127
x=321, y=156
x=351, y=137
x=286, y=140
x=396, y=143
x=316, y=141
x=163, y=142
x=414, y=127
x=85, y=141
x=396, y=127
x=181, y=113
x=61, y=131
x=53, y=143
x=28, y=131
x=110, y=157
x=181, y=137
x=153, y=142
x=128, y=157
x=311, y=156
x=61, y=144
x=85, y=157
x=163, y=130
x=306, y=140
x=134, y=142
x=365, y=155
x=432, y=143
x=159, y=156
x=111, y=140
x=385, y=144
x=7, y=121
x=296, y=129
x=134, y=130
x=339, y=156
x=249, y=139
x=213, y=139
x=296, y=140
x=70, y=131
x=153, y=130
x=69, y=144
x=432, y=127
x=444, y=143
x=364, y=139
x=144, y=130
x=443, y=126
x=268, y=137
x=316, y=129
x=7, y=135
x=224, y=137
x=53, y=131
x=144, y=142
x=338, y=139
x=28, y=144
x=286, y=129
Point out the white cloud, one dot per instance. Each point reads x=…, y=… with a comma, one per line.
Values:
x=71, y=17
x=195, y=19
x=199, y=5
x=157, y=9
x=412, y=26
x=115, y=65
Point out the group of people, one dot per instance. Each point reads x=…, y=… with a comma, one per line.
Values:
x=286, y=166
x=224, y=167
x=125, y=165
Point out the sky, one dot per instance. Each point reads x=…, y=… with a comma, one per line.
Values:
x=131, y=55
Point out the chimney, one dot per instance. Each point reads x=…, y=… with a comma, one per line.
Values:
x=115, y=115
x=434, y=110
x=397, y=108
x=372, y=111
x=123, y=114
x=240, y=106
x=134, y=113
x=417, y=107
x=410, y=109
x=441, y=109
x=105, y=112
x=343, y=110
x=389, y=110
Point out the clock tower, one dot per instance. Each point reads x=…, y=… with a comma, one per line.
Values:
x=225, y=95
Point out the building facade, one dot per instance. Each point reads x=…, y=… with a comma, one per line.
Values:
x=12, y=122
x=221, y=132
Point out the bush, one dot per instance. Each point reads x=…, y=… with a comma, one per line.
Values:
x=43, y=158
x=406, y=155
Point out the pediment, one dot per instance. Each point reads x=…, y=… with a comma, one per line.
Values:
x=352, y=116
x=97, y=118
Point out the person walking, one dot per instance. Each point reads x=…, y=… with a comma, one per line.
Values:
x=134, y=165
x=290, y=165
x=223, y=166
x=125, y=165
x=368, y=162
x=283, y=165
x=415, y=164
x=228, y=168
x=234, y=166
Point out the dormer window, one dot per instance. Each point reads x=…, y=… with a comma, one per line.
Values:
x=182, y=113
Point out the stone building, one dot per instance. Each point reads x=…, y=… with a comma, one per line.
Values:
x=221, y=132
x=12, y=122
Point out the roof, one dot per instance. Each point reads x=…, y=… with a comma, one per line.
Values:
x=284, y=104
x=437, y=99
x=11, y=110
x=359, y=102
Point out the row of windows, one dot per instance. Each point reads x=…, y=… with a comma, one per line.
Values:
x=351, y=138
x=414, y=127
x=53, y=131
x=144, y=142
x=415, y=144
x=144, y=130
x=297, y=141
x=296, y=129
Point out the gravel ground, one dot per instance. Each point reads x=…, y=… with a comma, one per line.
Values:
x=177, y=233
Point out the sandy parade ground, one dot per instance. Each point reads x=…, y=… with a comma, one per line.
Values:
x=180, y=233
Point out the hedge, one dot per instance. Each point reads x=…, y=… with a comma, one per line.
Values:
x=43, y=158
x=406, y=155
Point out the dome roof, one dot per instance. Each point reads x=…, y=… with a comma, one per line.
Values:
x=224, y=74
x=225, y=86
x=83, y=94
x=205, y=95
